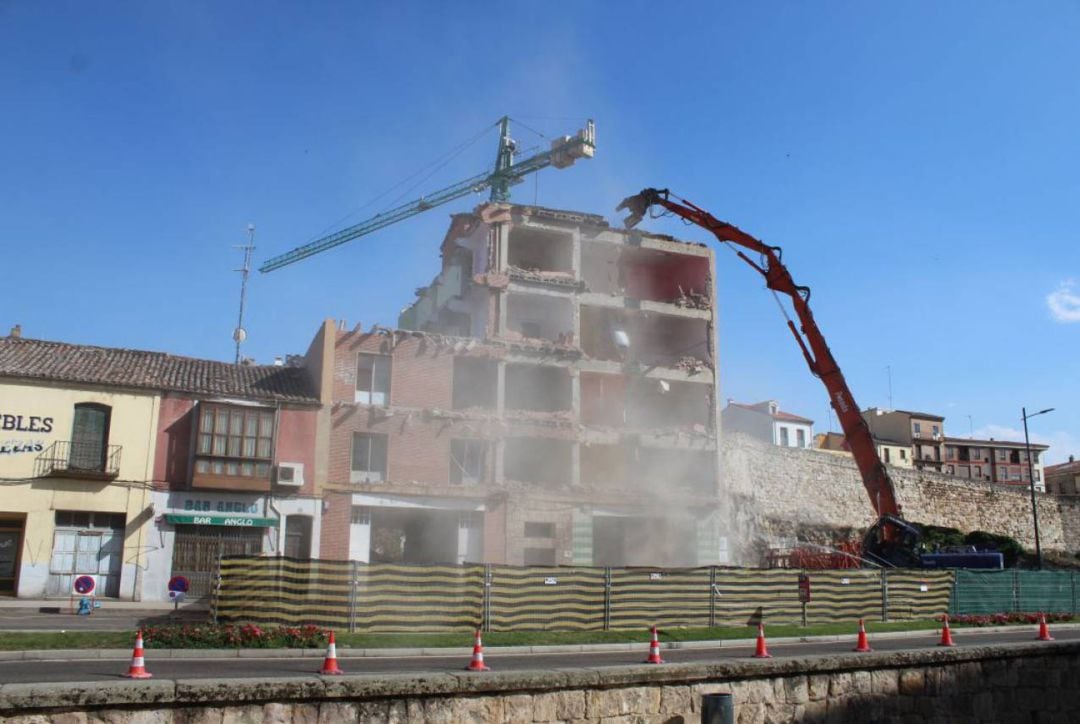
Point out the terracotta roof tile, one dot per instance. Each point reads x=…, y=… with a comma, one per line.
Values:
x=59, y=361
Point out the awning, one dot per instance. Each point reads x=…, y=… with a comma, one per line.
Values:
x=235, y=521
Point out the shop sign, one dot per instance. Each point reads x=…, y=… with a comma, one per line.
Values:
x=220, y=506
x=226, y=520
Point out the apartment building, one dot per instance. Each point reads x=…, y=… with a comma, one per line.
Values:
x=548, y=399
x=994, y=461
x=889, y=452
x=922, y=433
x=1063, y=478
x=768, y=423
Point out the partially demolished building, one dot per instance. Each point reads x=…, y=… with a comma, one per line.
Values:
x=549, y=399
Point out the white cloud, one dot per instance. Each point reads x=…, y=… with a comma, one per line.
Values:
x=1064, y=303
x=1062, y=443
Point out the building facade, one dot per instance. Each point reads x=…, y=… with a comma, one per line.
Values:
x=1063, y=478
x=994, y=461
x=548, y=399
x=130, y=467
x=922, y=433
x=768, y=423
x=890, y=452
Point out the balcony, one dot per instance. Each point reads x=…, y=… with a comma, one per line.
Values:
x=66, y=458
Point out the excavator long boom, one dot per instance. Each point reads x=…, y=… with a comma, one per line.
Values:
x=890, y=528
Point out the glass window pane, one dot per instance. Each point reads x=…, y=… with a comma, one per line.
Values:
x=364, y=365
x=234, y=447
x=80, y=520
x=381, y=383
x=266, y=425
x=262, y=470
x=204, y=444
x=264, y=448
x=247, y=469
x=219, y=444
x=202, y=466
x=219, y=467
x=236, y=423
x=222, y=424
x=251, y=425
x=249, y=447
x=232, y=469
x=208, y=420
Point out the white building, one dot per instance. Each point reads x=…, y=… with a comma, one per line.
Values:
x=767, y=422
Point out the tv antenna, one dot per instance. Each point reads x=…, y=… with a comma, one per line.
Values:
x=240, y=334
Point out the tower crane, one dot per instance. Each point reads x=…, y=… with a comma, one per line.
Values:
x=564, y=151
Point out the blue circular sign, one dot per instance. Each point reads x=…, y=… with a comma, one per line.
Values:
x=178, y=584
x=84, y=585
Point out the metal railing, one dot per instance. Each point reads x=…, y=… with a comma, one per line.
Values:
x=79, y=459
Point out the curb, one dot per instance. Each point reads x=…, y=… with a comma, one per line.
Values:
x=345, y=652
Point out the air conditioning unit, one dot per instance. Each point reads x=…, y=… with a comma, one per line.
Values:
x=291, y=474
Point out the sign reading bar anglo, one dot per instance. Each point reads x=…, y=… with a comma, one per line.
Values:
x=226, y=520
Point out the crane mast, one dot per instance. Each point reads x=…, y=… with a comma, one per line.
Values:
x=564, y=151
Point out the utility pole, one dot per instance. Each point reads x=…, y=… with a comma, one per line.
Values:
x=240, y=334
x=1031, y=480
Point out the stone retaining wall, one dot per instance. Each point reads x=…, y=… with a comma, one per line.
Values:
x=776, y=492
x=1033, y=682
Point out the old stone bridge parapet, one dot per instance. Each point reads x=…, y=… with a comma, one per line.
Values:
x=977, y=684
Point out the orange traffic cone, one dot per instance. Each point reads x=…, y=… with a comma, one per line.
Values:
x=946, y=634
x=330, y=667
x=137, y=669
x=654, y=648
x=762, y=651
x=863, y=644
x=477, y=663
x=1044, y=630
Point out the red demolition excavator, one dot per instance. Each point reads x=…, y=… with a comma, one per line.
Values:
x=890, y=541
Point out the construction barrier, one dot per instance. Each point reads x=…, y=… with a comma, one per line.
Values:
x=432, y=598
x=986, y=592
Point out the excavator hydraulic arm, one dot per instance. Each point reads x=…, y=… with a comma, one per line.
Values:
x=890, y=540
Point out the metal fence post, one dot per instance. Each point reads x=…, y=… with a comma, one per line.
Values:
x=353, y=582
x=217, y=584
x=954, y=598
x=1072, y=582
x=712, y=596
x=884, y=596
x=485, y=612
x=607, y=598
x=1016, y=591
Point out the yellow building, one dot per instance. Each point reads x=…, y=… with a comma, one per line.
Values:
x=75, y=461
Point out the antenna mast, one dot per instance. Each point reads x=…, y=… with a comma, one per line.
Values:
x=240, y=334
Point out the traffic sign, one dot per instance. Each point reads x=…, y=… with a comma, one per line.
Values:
x=179, y=584
x=84, y=585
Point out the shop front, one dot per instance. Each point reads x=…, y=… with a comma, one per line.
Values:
x=196, y=529
x=11, y=536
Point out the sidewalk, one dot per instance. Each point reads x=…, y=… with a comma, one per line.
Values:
x=55, y=614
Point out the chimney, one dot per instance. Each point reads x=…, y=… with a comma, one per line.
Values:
x=1072, y=459
x=16, y=331
x=279, y=362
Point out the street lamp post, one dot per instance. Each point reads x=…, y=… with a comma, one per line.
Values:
x=1031, y=480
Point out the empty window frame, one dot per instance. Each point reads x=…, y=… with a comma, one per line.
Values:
x=800, y=437
x=534, y=529
x=783, y=437
x=373, y=379
x=468, y=461
x=368, y=458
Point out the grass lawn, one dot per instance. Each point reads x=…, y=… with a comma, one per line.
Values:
x=16, y=641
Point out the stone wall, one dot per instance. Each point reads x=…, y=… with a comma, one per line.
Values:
x=775, y=492
x=1032, y=682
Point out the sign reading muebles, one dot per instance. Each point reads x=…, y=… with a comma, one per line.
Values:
x=226, y=520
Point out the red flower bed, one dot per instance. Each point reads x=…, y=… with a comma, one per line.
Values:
x=1002, y=619
x=247, y=636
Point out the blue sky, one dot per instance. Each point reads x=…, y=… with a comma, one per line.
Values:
x=917, y=162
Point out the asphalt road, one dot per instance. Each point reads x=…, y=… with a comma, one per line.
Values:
x=112, y=669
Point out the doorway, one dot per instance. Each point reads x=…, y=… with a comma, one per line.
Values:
x=11, y=541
